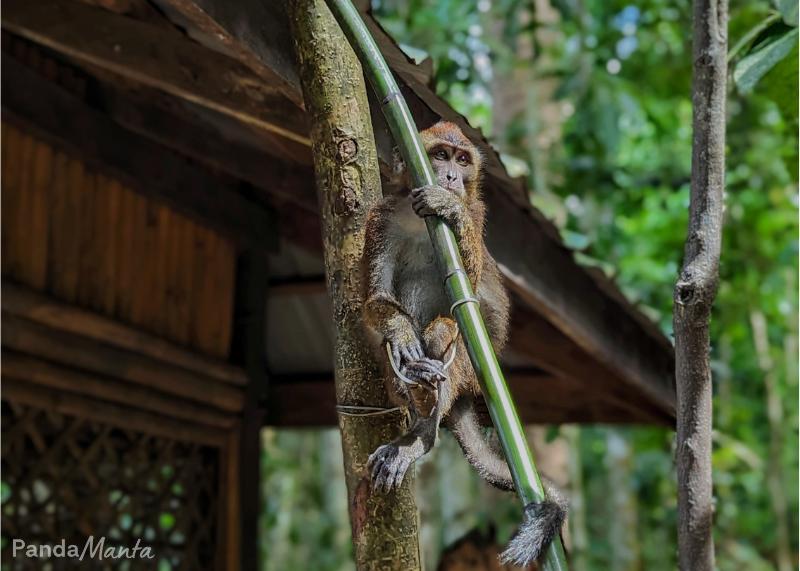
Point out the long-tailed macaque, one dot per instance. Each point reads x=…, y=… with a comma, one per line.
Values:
x=406, y=307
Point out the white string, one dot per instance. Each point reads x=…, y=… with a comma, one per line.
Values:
x=397, y=372
x=405, y=379
x=364, y=410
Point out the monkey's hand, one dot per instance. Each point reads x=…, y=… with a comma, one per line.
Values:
x=437, y=201
x=405, y=344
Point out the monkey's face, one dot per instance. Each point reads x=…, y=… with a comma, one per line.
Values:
x=454, y=158
x=454, y=167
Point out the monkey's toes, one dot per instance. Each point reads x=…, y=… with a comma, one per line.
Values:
x=425, y=370
x=388, y=466
x=406, y=351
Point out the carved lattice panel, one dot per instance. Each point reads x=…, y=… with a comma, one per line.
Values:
x=68, y=477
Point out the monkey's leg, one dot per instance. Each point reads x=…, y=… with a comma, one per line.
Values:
x=489, y=462
x=390, y=462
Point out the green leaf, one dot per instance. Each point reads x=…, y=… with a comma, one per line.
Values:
x=758, y=62
x=781, y=86
x=788, y=9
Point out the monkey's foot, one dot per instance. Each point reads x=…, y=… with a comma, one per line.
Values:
x=427, y=372
x=388, y=465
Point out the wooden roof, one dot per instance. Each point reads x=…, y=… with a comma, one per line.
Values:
x=201, y=100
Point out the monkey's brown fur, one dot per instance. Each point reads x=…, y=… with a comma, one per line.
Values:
x=406, y=306
x=400, y=264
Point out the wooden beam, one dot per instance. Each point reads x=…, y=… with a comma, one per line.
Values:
x=151, y=56
x=30, y=338
x=248, y=350
x=301, y=285
x=614, y=336
x=24, y=302
x=228, y=554
x=310, y=401
x=215, y=141
x=61, y=378
x=224, y=26
x=63, y=119
x=548, y=348
x=302, y=401
x=536, y=338
x=109, y=413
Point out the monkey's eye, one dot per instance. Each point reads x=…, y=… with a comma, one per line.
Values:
x=463, y=159
x=440, y=155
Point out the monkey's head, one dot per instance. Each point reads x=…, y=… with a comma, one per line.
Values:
x=455, y=160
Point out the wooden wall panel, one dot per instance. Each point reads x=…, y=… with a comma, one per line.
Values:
x=85, y=238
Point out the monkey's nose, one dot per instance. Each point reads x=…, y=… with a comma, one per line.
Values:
x=451, y=176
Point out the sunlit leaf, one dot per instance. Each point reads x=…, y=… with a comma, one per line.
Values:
x=763, y=58
x=788, y=9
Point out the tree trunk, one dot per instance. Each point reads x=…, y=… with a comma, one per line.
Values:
x=697, y=287
x=384, y=527
x=777, y=494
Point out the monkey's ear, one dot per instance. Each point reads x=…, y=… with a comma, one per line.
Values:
x=398, y=166
x=397, y=176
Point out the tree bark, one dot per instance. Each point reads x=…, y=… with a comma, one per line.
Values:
x=697, y=287
x=384, y=527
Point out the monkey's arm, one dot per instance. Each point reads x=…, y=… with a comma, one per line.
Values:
x=382, y=311
x=465, y=220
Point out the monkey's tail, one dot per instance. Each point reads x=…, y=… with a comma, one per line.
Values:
x=543, y=520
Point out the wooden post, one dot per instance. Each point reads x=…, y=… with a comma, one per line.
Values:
x=385, y=527
x=249, y=351
x=697, y=287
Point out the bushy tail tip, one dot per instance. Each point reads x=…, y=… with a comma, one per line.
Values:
x=543, y=521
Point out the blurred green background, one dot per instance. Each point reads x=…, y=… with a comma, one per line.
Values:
x=589, y=100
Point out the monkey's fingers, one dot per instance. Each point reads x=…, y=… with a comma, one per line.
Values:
x=424, y=211
x=436, y=365
x=433, y=369
x=426, y=364
x=401, y=467
x=421, y=205
x=388, y=468
x=411, y=351
x=426, y=370
x=395, y=354
x=421, y=190
x=376, y=461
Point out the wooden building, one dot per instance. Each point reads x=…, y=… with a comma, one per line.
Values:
x=162, y=293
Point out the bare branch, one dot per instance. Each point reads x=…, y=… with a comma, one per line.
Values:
x=697, y=287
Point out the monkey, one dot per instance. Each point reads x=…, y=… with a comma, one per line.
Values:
x=407, y=317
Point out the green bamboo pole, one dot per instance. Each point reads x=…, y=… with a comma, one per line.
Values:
x=459, y=290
